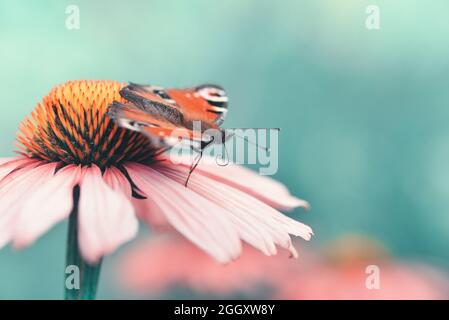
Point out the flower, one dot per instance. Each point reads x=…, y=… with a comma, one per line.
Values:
x=147, y=268
x=337, y=272
x=356, y=268
x=74, y=157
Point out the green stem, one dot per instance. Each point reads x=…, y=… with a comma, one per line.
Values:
x=81, y=277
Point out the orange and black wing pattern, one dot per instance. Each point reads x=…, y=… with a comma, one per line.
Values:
x=155, y=126
x=208, y=103
x=158, y=112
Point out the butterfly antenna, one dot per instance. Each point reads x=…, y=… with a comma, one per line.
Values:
x=250, y=142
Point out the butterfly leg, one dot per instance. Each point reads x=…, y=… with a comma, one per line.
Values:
x=194, y=165
x=204, y=145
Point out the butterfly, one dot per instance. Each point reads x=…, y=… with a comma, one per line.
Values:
x=164, y=115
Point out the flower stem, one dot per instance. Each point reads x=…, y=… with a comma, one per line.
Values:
x=81, y=277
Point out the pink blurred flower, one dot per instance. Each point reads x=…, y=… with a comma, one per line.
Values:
x=347, y=269
x=70, y=142
x=161, y=262
x=398, y=281
x=337, y=273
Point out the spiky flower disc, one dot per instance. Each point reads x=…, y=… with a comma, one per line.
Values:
x=71, y=126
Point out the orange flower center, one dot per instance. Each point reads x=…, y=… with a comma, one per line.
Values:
x=70, y=125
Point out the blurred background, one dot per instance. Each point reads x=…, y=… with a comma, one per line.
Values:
x=364, y=113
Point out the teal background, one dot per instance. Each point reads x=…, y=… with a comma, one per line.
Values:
x=364, y=114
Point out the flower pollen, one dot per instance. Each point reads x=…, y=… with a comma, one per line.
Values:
x=71, y=125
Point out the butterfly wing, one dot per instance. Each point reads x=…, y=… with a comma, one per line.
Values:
x=153, y=125
x=168, y=116
x=165, y=116
x=145, y=98
x=207, y=103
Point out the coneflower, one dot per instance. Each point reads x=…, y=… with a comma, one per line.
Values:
x=75, y=162
x=346, y=269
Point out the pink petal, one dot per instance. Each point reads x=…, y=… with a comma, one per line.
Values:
x=5, y=160
x=7, y=165
x=200, y=220
x=14, y=190
x=148, y=267
x=48, y=205
x=115, y=179
x=264, y=188
x=148, y=211
x=106, y=216
x=145, y=210
x=257, y=223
